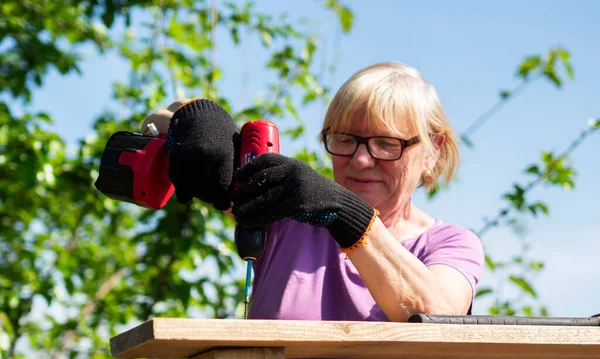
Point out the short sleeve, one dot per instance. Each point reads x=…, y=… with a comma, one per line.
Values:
x=458, y=248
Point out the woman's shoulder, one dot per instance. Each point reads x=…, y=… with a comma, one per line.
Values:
x=451, y=242
x=444, y=231
x=445, y=239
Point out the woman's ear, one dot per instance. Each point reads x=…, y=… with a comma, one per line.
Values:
x=438, y=141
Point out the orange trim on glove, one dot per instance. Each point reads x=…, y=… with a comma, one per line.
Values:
x=363, y=239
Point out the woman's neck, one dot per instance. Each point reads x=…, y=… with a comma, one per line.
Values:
x=406, y=221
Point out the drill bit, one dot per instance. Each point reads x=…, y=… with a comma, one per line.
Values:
x=247, y=289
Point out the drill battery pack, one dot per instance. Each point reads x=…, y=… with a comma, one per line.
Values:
x=134, y=169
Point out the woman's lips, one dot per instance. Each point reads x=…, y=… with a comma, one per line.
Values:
x=363, y=182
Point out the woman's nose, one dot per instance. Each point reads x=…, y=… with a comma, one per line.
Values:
x=362, y=158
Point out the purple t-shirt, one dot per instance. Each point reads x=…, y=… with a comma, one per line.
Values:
x=303, y=275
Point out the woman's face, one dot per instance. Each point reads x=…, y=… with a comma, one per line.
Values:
x=385, y=185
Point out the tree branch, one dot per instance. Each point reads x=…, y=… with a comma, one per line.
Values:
x=163, y=276
x=503, y=212
x=214, y=18
x=281, y=89
x=159, y=291
x=87, y=309
x=109, y=284
x=15, y=323
x=74, y=233
x=494, y=109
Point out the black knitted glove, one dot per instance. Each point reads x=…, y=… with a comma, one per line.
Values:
x=201, y=142
x=273, y=187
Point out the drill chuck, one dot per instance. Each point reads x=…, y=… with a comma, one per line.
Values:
x=250, y=243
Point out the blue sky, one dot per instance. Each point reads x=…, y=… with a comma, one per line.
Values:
x=469, y=50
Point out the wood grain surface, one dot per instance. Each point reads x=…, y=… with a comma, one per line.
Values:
x=243, y=353
x=186, y=338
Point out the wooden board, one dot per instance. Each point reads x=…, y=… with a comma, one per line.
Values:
x=243, y=353
x=185, y=338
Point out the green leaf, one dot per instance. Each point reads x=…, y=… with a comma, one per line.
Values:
x=533, y=209
x=346, y=18
x=551, y=75
x=266, y=37
x=543, y=208
x=563, y=54
x=547, y=157
x=569, y=70
x=507, y=309
x=45, y=117
x=528, y=65
x=523, y=284
x=290, y=108
x=482, y=292
x=433, y=191
x=535, y=265
x=345, y=15
x=235, y=35
x=565, y=57
x=490, y=263
x=504, y=94
x=109, y=15
x=516, y=198
x=534, y=169
x=294, y=132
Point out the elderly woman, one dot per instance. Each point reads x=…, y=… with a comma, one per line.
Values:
x=356, y=248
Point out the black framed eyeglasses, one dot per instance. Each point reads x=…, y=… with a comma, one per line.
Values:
x=379, y=147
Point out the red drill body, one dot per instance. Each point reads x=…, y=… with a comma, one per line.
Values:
x=134, y=168
x=257, y=137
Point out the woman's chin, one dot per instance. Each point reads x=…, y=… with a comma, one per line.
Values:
x=372, y=198
x=373, y=193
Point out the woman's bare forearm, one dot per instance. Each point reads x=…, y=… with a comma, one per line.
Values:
x=400, y=283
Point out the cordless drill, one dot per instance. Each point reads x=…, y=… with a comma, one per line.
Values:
x=134, y=169
x=256, y=137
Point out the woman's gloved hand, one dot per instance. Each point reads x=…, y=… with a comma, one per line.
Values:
x=201, y=142
x=273, y=187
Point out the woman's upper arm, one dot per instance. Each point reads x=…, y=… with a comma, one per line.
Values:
x=458, y=290
x=455, y=256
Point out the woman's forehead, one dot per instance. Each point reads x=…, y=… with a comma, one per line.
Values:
x=363, y=126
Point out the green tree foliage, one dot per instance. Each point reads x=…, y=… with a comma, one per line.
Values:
x=76, y=267
x=90, y=265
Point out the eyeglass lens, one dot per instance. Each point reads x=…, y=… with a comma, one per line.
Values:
x=345, y=145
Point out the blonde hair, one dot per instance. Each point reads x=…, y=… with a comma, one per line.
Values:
x=395, y=97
